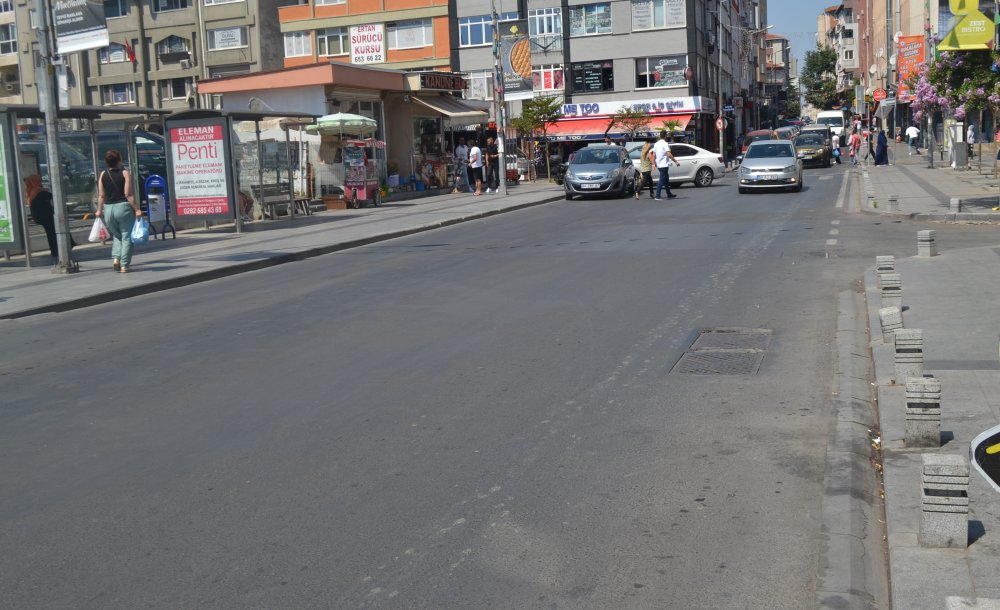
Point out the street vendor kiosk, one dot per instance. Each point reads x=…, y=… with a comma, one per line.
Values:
x=364, y=171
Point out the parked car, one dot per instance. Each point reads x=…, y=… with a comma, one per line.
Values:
x=600, y=169
x=787, y=132
x=697, y=165
x=813, y=149
x=770, y=164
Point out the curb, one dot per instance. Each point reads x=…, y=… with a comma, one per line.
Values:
x=853, y=570
x=236, y=269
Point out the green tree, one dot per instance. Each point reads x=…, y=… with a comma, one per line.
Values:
x=538, y=114
x=629, y=120
x=819, y=77
x=794, y=109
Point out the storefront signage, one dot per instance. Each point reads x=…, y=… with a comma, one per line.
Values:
x=652, y=106
x=909, y=56
x=515, y=60
x=593, y=76
x=368, y=44
x=200, y=172
x=648, y=15
x=80, y=25
x=442, y=82
x=8, y=231
x=973, y=30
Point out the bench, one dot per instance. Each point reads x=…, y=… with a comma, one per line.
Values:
x=274, y=197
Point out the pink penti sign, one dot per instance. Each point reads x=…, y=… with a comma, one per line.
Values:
x=200, y=168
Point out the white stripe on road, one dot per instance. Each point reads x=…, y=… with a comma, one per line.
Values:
x=834, y=232
x=831, y=242
x=843, y=190
x=835, y=222
x=826, y=177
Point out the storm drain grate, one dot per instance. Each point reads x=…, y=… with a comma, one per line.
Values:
x=725, y=351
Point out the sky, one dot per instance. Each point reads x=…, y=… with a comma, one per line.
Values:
x=796, y=21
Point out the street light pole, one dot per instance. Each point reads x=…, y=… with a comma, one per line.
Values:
x=720, y=126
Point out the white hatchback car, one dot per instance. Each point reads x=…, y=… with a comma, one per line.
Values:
x=697, y=165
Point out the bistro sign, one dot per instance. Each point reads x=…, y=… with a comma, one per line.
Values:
x=651, y=106
x=442, y=82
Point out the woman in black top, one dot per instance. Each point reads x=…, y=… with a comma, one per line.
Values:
x=116, y=205
x=42, y=212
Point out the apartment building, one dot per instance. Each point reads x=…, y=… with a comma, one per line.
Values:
x=159, y=50
x=838, y=29
x=777, y=77
x=678, y=60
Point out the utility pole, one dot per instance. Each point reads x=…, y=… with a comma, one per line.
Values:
x=499, y=104
x=928, y=54
x=49, y=104
x=722, y=131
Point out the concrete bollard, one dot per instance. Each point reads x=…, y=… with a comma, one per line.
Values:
x=955, y=205
x=944, y=502
x=893, y=203
x=927, y=243
x=892, y=320
x=892, y=290
x=884, y=264
x=909, y=352
x=923, y=412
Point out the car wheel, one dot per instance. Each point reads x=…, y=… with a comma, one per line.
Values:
x=704, y=177
x=798, y=187
x=569, y=197
x=743, y=191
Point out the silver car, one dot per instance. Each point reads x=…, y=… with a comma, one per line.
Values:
x=770, y=164
x=600, y=169
x=697, y=165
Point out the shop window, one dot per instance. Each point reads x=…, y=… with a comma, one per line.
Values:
x=545, y=29
x=657, y=14
x=115, y=8
x=298, y=44
x=332, y=41
x=653, y=72
x=547, y=77
x=227, y=38
x=592, y=76
x=114, y=53
x=174, y=88
x=162, y=6
x=590, y=19
x=410, y=34
x=122, y=93
x=427, y=136
x=479, y=86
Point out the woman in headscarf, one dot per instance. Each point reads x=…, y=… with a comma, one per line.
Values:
x=882, y=149
x=42, y=212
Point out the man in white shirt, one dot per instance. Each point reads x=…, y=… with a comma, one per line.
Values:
x=912, y=133
x=461, y=165
x=661, y=156
x=476, y=163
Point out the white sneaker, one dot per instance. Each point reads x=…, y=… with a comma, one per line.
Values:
x=489, y=191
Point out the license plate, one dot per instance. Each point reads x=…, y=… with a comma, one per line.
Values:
x=768, y=177
x=590, y=186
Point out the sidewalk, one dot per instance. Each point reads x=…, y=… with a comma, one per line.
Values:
x=951, y=297
x=201, y=255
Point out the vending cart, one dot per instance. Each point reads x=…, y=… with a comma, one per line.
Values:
x=364, y=171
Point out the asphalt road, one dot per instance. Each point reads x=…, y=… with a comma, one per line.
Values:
x=482, y=416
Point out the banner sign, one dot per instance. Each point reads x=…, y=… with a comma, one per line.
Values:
x=651, y=106
x=79, y=25
x=368, y=44
x=200, y=169
x=9, y=232
x=973, y=30
x=515, y=60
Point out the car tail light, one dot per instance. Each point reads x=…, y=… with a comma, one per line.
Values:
x=721, y=160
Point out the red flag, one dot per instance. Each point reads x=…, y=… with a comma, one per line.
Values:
x=130, y=52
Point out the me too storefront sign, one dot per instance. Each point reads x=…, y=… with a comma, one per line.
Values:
x=200, y=171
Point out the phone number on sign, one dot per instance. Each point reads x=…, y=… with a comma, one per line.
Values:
x=202, y=209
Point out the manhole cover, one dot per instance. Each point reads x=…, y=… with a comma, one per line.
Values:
x=719, y=362
x=733, y=338
x=725, y=351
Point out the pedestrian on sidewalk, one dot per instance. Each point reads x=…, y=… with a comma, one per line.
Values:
x=836, y=148
x=42, y=212
x=646, y=170
x=912, y=133
x=492, y=155
x=117, y=207
x=461, y=163
x=854, y=145
x=882, y=150
x=476, y=167
x=971, y=136
x=662, y=156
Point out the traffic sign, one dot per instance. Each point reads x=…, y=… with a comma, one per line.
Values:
x=720, y=123
x=727, y=108
x=878, y=95
x=984, y=453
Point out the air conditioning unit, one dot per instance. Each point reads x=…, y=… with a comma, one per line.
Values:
x=185, y=64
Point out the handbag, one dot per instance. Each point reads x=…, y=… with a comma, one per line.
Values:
x=99, y=231
x=140, y=231
x=836, y=152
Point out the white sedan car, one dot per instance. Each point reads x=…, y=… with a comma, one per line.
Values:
x=697, y=164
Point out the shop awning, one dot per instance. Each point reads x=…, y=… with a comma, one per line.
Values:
x=582, y=130
x=451, y=107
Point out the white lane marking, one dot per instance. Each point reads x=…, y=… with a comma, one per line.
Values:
x=843, y=190
x=835, y=222
x=834, y=232
x=826, y=177
x=831, y=242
